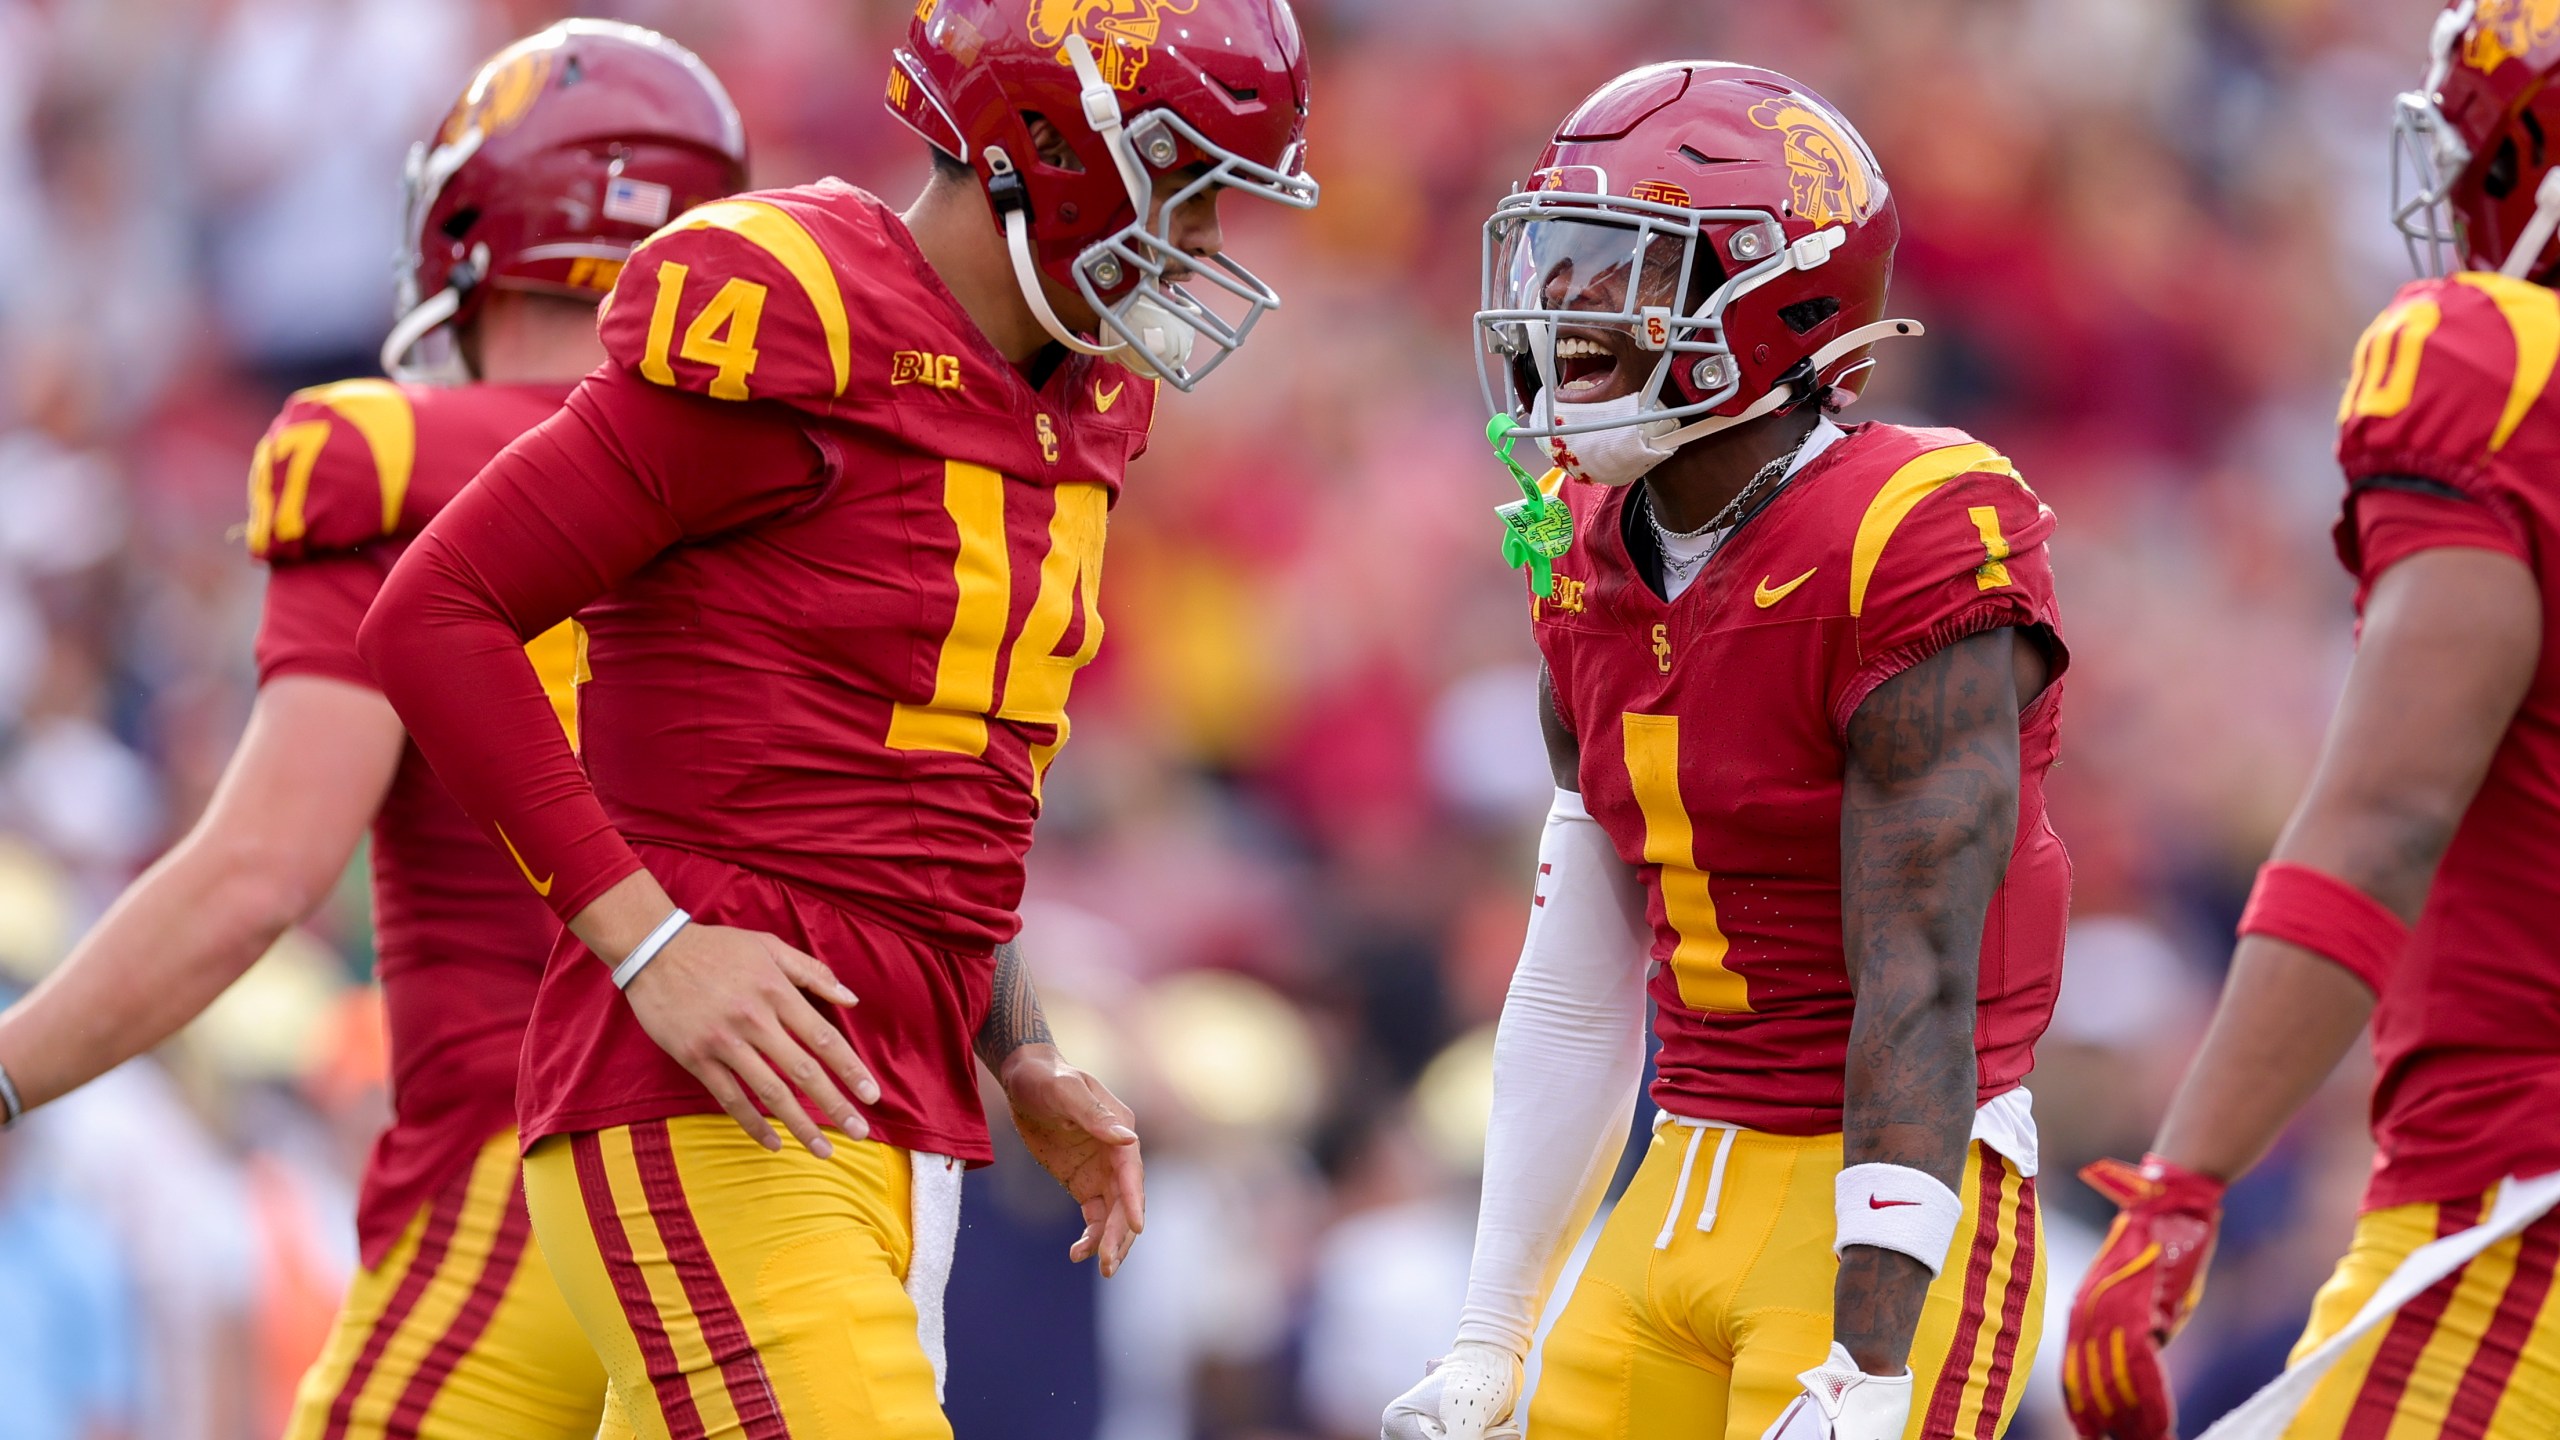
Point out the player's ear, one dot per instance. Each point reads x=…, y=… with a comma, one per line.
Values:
x=1050, y=145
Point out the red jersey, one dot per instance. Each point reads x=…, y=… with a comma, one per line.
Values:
x=1713, y=731
x=2449, y=438
x=342, y=480
x=840, y=561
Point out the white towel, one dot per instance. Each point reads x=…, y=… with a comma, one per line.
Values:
x=935, y=1206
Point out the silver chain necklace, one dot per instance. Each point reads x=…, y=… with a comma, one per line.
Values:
x=1663, y=536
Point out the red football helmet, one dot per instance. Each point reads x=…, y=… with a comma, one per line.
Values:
x=1135, y=88
x=1720, y=228
x=569, y=148
x=2474, y=150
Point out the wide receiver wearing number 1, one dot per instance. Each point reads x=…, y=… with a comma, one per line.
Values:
x=1802, y=692
x=2414, y=886
x=833, y=514
x=566, y=150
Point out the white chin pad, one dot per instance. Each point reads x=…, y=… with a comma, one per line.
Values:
x=1621, y=455
x=1164, y=339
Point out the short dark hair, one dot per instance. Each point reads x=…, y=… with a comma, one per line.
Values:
x=950, y=167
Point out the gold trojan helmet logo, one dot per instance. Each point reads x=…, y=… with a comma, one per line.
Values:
x=1827, y=167
x=502, y=93
x=1123, y=33
x=2508, y=29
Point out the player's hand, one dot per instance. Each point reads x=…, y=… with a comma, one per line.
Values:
x=2136, y=1295
x=727, y=1005
x=1081, y=1133
x=1468, y=1394
x=1842, y=1402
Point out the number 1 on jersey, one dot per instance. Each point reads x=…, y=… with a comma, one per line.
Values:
x=1670, y=841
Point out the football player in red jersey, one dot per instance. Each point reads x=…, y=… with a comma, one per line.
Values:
x=833, y=513
x=567, y=149
x=2413, y=887
x=1800, y=698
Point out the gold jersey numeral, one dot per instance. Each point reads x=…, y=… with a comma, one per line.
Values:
x=276, y=511
x=1670, y=842
x=2386, y=364
x=723, y=336
x=1037, y=678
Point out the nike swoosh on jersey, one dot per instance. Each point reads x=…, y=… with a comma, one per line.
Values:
x=1872, y=1202
x=1768, y=595
x=542, y=886
x=1103, y=399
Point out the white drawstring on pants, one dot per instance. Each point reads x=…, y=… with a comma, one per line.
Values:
x=1688, y=1164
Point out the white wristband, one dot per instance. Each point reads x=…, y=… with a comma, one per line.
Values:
x=1894, y=1207
x=11, y=1107
x=647, y=950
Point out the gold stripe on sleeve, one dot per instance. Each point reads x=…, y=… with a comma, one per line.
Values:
x=1913, y=483
x=381, y=413
x=2533, y=316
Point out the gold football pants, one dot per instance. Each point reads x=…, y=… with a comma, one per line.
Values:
x=2477, y=1357
x=1710, y=1291
x=735, y=1291
x=459, y=1334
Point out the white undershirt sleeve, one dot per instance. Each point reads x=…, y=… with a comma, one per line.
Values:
x=1566, y=1062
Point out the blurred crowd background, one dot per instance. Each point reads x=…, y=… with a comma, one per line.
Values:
x=1284, y=870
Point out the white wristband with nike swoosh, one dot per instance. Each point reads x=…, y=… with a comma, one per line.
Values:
x=1894, y=1207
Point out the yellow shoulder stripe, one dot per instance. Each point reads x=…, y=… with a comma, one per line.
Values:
x=773, y=231
x=1910, y=485
x=2533, y=314
x=381, y=413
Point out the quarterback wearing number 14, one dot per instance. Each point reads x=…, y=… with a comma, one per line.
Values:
x=833, y=514
x=1801, y=696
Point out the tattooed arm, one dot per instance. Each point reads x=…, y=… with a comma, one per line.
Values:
x=1928, y=816
x=1071, y=1123
x=1013, y=1011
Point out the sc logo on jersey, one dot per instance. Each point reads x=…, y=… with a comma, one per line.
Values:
x=1123, y=33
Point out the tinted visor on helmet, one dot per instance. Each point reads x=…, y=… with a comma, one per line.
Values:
x=1603, y=292
x=1580, y=288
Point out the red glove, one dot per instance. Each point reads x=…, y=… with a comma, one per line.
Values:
x=2136, y=1295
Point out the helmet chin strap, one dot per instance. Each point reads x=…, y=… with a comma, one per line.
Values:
x=2441, y=41
x=1026, y=275
x=1780, y=395
x=415, y=326
x=2521, y=261
x=1102, y=113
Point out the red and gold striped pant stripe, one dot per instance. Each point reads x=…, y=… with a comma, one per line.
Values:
x=459, y=1332
x=735, y=1292
x=1978, y=1366
x=2477, y=1357
x=1677, y=1332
